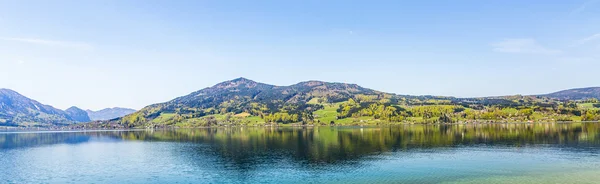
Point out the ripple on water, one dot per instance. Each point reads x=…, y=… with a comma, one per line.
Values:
x=429, y=154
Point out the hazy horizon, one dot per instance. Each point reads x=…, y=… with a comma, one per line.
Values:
x=101, y=54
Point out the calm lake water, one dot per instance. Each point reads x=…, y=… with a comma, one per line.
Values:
x=500, y=153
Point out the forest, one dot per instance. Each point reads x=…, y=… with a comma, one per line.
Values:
x=370, y=111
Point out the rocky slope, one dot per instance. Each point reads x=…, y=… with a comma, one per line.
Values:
x=18, y=110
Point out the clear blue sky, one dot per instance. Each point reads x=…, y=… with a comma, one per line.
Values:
x=131, y=53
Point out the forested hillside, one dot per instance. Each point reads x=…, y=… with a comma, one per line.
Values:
x=245, y=102
x=576, y=94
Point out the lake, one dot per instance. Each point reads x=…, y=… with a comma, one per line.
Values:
x=484, y=153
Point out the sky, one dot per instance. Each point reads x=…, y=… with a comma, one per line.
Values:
x=96, y=54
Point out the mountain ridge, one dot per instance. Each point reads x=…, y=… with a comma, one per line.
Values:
x=303, y=101
x=576, y=93
x=78, y=114
x=17, y=109
x=108, y=113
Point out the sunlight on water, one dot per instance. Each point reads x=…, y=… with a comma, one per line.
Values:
x=516, y=153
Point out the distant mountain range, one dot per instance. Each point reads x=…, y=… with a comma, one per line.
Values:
x=18, y=110
x=109, y=113
x=249, y=99
x=576, y=94
x=78, y=114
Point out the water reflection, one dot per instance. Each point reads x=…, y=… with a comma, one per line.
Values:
x=9, y=140
x=323, y=145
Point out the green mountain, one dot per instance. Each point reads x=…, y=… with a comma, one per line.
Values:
x=247, y=98
x=18, y=110
x=245, y=102
x=238, y=95
x=576, y=94
x=109, y=113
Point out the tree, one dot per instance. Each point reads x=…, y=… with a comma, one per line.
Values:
x=526, y=112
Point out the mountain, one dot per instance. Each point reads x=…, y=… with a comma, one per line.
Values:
x=244, y=97
x=78, y=114
x=576, y=94
x=18, y=110
x=109, y=113
x=243, y=91
x=245, y=102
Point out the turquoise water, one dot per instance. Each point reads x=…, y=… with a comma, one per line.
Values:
x=522, y=153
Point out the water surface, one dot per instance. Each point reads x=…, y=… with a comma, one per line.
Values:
x=498, y=153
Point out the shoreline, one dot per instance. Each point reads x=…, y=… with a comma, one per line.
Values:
x=70, y=129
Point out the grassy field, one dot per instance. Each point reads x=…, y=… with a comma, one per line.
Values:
x=588, y=106
x=254, y=120
x=313, y=101
x=163, y=117
x=327, y=114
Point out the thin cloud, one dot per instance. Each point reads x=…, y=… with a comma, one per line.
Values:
x=588, y=39
x=525, y=46
x=583, y=7
x=54, y=43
